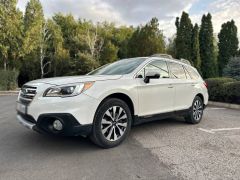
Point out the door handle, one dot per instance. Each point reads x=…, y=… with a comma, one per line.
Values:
x=170, y=86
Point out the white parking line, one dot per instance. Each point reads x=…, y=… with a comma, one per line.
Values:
x=212, y=131
x=217, y=108
x=205, y=130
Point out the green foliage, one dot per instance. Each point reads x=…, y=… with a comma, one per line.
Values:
x=33, y=25
x=8, y=80
x=232, y=92
x=87, y=63
x=63, y=45
x=224, y=90
x=69, y=29
x=109, y=53
x=56, y=53
x=196, y=48
x=228, y=44
x=146, y=40
x=10, y=34
x=184, y=37
x=120, y=39
x=206, y=40
x=216, y=88
x=33, y=37
x=171, y=47
x=232, y=69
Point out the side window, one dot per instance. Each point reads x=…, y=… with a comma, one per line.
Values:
x=187, y=73
x=177, y=70
x=159, y=67
x=194, y=75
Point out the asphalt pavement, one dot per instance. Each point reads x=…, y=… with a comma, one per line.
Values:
x=166, y=149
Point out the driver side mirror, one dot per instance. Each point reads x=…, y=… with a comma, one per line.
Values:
x=151, y=75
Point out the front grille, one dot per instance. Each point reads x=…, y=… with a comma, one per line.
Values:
x=27, y=94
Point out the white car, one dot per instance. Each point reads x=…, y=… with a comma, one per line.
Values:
x=105, y=103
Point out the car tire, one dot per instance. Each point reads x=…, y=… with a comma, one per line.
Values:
x=112, y=123
x=196, y=111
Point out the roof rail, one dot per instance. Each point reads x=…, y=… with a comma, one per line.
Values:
x=162, y=55
x=185, y=61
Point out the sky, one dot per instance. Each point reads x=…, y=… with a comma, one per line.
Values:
x=135, y=12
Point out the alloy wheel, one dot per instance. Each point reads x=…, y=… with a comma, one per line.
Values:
x=114, y=123
x=197, y=110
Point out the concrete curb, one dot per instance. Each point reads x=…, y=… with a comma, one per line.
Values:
x=225, y=105
x=8, y=93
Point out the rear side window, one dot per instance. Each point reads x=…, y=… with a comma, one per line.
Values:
x=177, y=70
x=194, y=75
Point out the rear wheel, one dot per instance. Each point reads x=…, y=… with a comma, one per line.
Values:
x=112, y=123
x=196, y=111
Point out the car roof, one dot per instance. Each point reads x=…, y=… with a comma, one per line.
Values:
x=169, y=58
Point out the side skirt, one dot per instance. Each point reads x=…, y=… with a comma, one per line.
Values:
x=155, y=117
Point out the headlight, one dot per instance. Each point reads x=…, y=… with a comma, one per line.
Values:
x=67, y=91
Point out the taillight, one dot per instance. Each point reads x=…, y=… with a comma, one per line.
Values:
x=205, y=84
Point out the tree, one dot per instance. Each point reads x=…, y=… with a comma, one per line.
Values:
x=232, y=69
x=171, y=46
x=184, y=37
x=228, y=44
x=33, y=40
x=109, y=53
x=209, y=62
x=195, y=48
x=146, y=40
x=87, y=63
x=56, y=53
x=120, y=39
x=10, y=33
x=33, y=25
x=70, y=31
x=94, y=42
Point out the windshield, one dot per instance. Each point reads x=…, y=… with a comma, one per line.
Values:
x=120, y=67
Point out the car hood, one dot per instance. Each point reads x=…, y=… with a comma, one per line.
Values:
x=74, y=79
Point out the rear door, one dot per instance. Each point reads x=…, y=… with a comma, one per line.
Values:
x=157, y=96
x=182, y=84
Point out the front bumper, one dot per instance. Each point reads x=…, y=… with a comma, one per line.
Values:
x=44, y=124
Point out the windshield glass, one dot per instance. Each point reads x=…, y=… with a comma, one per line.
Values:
x=120, y=67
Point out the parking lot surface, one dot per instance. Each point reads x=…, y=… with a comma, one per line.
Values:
x=166, y=149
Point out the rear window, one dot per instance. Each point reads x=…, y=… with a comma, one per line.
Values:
x=194, y=75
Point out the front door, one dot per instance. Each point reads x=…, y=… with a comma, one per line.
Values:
x=157, y=96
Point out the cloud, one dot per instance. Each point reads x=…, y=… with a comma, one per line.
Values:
x=135, y=12
x=122, y=12
x=221, y=11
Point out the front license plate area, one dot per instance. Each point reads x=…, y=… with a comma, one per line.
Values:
x=22, y=108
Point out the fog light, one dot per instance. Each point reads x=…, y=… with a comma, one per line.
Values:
x=57, y=125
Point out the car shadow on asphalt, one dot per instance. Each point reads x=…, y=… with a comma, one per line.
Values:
x=35, y=141
x=175, y=121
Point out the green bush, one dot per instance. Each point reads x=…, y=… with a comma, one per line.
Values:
x=216, y=89
x=232, y=92
x=8, y=80
x=224, y=90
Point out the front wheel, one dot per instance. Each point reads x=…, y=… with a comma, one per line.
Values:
x=196, y=111
x=112, y=123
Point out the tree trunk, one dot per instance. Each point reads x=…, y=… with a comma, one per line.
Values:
x=5, y=64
